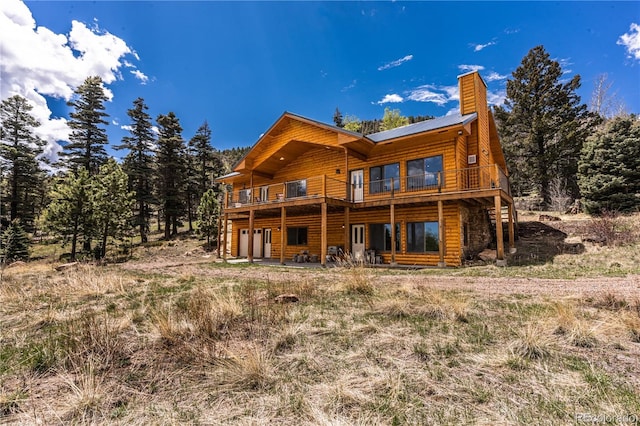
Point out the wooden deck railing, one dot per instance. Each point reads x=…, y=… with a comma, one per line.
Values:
x=470, y=179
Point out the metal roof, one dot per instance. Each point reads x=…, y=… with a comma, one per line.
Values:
x=423, y=126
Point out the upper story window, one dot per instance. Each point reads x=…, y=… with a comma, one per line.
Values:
x=297, y=188
x=384, y=178
x=425, y=173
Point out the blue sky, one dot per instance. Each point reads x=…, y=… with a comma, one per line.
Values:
x=240, y=65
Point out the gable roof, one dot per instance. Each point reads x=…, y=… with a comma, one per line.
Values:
x=423, y=126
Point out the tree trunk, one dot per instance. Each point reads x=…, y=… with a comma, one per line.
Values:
x=74, y=239
x=103, y=251
x=167, y=227
x=189, y=215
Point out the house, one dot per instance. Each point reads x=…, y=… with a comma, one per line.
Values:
x=422, y=194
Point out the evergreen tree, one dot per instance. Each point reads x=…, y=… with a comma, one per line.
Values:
x=112, y=203
x=542, y=126
x=200, y=156
x=208, y=213
x=609, y=169
x=70, y=213
x=15, y=243
x=138, y=164
x=171, y=171
x=19, y=149
x=230, y=157
x=392, y=119
x=87, y=139
x=337, y=118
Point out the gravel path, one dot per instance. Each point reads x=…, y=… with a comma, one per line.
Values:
x=627, y=287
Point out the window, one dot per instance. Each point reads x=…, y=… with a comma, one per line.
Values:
x=380, y=178
x=380, y=236
x=422, y=237
x=297, y=188
x=296, y=236
x=425, y=173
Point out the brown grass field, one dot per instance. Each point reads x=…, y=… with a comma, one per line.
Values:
x=174, y=336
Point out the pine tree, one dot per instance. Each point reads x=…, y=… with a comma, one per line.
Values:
x=19, y=151
x=208, y=213
x=112, y=203
x=205, y=165
x=70, y=213
x=138, y=164
x=609, y=169
x=542, y=125
x=15, y=242
x=337, y=118
x=171, y=171
x=87, y=139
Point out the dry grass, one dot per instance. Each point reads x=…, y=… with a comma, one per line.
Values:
x=208, y=344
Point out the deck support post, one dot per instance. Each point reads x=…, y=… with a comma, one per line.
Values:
x=283, y=233
x=224, y=237
x=512, y=236
x=250, y=248
x=500, y=260
x=392, y=218
x=347, y=234
x=219, y=236
x=323, y=233
x=441, y=234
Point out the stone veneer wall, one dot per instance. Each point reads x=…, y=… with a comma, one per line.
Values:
x=479, y=230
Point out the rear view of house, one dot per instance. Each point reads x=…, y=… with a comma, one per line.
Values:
x=422, y=194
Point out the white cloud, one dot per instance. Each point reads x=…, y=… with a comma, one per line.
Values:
x=350, y=86
x=469, y=68
x=496, y=98
x=395, y=63
x=37, y=62
x=494, y=76
x=631, y=41
x=479, y=47
x=392, y=98
x=126, y=127
x=439, y=95
x=140, y=76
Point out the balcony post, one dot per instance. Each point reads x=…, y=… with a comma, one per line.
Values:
x=224, y=237
x=283, y=232
x=219, y=236
x=512, y=237
x=500, y=260
x=441, y=234
x=392, y=214
x=323, y=234
x=324, y=185
x=347, y=234
x=392, y=187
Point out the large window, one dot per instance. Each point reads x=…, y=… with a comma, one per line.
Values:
x=244, y=196
x=297, y=236
x=297, y=188
x=425, y=173
x=380, y=236
x=381, y=177
x=422, y=237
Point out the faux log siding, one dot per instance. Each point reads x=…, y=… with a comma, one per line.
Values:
x=336, y=234
x=420, y=147
x=313, y=163
x=461, y=152
x=295, y=130
x=404, y=215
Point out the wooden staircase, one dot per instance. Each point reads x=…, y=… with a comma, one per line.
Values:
x=504, y=217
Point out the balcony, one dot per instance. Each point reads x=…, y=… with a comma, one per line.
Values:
x=468, y=180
